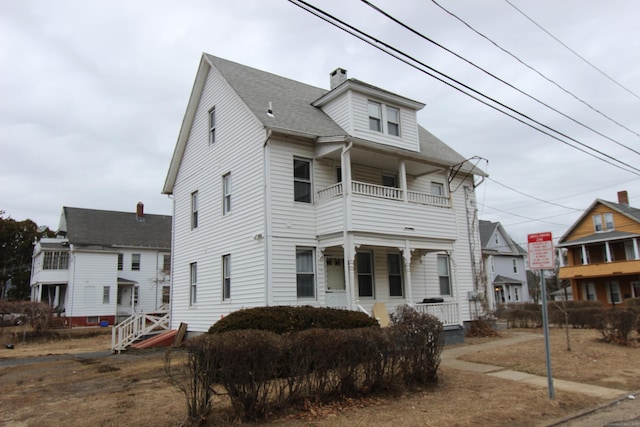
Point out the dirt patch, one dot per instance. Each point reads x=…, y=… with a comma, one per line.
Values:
x=131, y=389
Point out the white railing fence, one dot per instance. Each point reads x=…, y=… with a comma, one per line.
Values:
x=135, y=327
x=382, y=192
x=446, y=312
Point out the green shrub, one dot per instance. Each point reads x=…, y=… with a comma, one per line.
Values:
x=288, y=319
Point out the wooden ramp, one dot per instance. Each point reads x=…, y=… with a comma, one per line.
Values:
x=164, y=339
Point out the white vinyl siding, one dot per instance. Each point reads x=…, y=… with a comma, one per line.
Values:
x=240, y=148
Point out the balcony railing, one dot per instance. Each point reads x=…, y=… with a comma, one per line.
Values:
x=382, y=192
x=446, y=312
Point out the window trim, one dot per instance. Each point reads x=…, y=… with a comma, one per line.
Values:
x=389, y=122
x=166, y=263
x=299, y=274
x=586, y=287
x=371, y=274
x=136, y=262
x=438, y=185
x=598, y=226
x=303, y=180
x=373, y=119
x=212, y=125
x=193, y=284
x=606, y=223
x=614, y=285
x=514, y=263
x=120, y=262
x=194, y=210
x=448, y=274
x=398, y=274
x=226, y=193
x=226, y=277
x=106, y=294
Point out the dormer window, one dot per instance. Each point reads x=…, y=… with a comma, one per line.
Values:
x=384, y=118
x=375, y=116
x=393, y=121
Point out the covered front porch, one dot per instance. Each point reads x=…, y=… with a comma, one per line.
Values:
x=394, y=270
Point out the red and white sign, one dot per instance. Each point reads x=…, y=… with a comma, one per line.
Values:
x=540, y=251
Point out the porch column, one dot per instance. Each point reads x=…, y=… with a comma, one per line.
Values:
x=607, y=251
x=584, y=255
x=403, y=181
x=348, y=248
x=406, y=258
x=636, y=251
x=561, y=257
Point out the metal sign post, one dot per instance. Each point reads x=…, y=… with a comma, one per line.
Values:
x=541, y=258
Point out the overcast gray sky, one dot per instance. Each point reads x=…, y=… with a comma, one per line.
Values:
x=92, y=93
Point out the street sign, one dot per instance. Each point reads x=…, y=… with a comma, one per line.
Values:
x=540, y=251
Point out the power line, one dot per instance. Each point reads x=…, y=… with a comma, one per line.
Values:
x=533, y=197
x=573, y=51
x=534, y=70
x=409, y=60
x=414, y=31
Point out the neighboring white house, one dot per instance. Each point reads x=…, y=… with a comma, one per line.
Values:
x=104, y=266
x=504, y=264
x=288, y=194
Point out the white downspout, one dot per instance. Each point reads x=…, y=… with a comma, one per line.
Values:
x=268, y=256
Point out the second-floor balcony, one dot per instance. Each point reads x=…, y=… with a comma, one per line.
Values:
x=382, y=192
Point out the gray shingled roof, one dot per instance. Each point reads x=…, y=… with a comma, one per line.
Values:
x=504, y=279
x=293, y=110
x=91, y=227
x=599, y=237
x=486, y=231
x=290, y=100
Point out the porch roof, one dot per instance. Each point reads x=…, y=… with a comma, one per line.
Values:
x=503, y=280
x=123, y=281
x=601, y=237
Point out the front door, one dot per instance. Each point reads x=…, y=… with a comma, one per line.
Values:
x=336, y=292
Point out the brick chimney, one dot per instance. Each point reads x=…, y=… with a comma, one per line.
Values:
x=623, y=198
x=140, y=211
x=337, y=77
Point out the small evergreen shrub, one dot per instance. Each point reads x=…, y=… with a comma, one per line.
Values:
x=288, y=319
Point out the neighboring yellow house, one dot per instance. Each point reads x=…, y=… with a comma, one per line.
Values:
x=600, y=253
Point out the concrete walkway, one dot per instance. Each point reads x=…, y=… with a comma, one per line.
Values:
x=450, y=360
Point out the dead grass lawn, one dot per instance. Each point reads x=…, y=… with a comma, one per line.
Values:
x=131, y=389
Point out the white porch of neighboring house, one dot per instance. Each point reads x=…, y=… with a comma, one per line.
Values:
x=127, y=298
x=508, y=290
x=54, y=294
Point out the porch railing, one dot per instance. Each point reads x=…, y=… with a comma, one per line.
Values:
x=380, y=191
x=446, y=312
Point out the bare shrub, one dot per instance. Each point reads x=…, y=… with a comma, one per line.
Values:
x=198, y=374
x=616, y=325
x=420, y=338
x=482, y=327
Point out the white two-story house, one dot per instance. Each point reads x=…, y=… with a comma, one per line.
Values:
x=104, y=266
x=289, y=194
x=504, y=264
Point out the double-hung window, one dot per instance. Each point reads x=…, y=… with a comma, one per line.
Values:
x=120, y=262
x=608, y=221
x=302, y=180
x=194, y=210
x=106, y=291
x=383, y=118
x=226, y=277
x=305, y=273
x=444, y=276
x=365, y=274
x=613, y=293
x=597, y=223
x=375, y=116
x=514, y=263
x=437, y=189
x=226, y=193
x=135, y=262
x=212, y=126
x=589, y=291
x=393, y=121
x=193, y=283
x=166, y=264
x=394, y=265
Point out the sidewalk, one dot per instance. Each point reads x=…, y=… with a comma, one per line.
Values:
x=450, y=360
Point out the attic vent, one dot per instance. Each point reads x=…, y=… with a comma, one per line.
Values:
x=337, y=77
